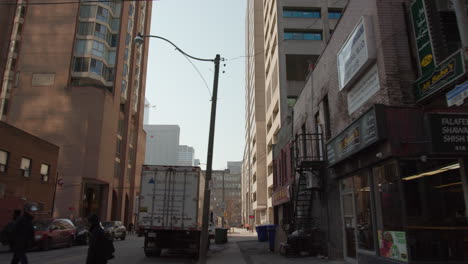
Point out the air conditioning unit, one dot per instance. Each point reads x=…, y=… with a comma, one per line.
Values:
x=312, y=180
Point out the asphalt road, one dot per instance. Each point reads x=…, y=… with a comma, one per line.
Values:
x=128, y=251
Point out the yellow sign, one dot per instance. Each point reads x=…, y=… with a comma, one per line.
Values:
x=350, y=139
x=426, y=60
x=439, y=75
x=144, y=209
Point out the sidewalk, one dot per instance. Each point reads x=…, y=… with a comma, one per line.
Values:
x=244, y=248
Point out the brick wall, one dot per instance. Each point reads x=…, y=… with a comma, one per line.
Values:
x=18, y=188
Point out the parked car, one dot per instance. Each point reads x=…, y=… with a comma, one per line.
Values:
x=82, y=233
x=50, y=233
x=115, y=229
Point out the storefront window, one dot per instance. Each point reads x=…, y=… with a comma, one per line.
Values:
x=391, y=236
x=365, y=232
x=435, y=208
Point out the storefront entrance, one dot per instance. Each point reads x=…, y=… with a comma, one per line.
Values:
x=349, y=219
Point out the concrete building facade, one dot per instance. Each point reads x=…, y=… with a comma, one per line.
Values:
x=225, y=202
x=186, y=156
x=75, y=78
x=293, y=35
x=162, y=144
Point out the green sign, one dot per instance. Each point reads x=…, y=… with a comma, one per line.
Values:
x=423, y=37
x=446, y=72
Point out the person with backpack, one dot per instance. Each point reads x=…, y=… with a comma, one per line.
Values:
x=101, y=248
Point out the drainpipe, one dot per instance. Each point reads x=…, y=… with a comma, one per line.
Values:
x=462, y=20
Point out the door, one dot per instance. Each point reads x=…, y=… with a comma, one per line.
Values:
x=349, y=219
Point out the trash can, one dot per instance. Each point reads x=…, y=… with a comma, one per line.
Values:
x=271, y=236
x=261, y=232
x=221, y=235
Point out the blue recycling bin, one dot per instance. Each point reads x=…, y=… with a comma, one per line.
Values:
x=271, y=229
x=261, y=232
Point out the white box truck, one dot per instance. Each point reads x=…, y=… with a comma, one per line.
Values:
x=170, y=208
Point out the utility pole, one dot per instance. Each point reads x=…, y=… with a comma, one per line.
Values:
x=209, y=160
x=139, y=39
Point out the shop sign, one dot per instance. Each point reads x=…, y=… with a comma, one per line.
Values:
x=251, y=217
x=449, y=132
x=356, y=54
x=360, y=134
x=280, y=196
x=423, y=37
x=392, y=244
x=457, y=96
x=445, y=73
x=367, y=86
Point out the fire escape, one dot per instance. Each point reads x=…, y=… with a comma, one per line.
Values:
x=309, y=163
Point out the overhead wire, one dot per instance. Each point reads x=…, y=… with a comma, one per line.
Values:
x=71, y=2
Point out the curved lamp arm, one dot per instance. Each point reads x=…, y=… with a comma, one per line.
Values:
x=139, y=40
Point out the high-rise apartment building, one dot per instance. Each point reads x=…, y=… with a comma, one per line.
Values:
x=186, y=156
x=284, y=40
x=162, y=144
x=72, y=75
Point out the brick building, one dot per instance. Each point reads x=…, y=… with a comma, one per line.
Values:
x=375, y=154
x=28, y=172
x=74, y=77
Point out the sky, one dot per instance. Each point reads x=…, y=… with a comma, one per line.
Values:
x=176, y=92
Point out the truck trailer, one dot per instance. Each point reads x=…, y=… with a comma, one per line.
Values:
x=170, y=208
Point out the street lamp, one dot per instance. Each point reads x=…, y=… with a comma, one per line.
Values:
x=139, y=39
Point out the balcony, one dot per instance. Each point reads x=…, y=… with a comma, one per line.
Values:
x=309, y=151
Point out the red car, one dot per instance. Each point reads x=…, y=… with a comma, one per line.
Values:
x=49, y=233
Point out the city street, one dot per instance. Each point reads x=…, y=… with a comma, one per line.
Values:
x=127, y=251
x=242, y=248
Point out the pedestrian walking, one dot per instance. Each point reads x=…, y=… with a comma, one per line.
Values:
x=130, y=228
x=23, y=235
x=101, y=248
x=7, y=232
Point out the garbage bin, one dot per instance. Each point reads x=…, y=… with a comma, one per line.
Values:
x=271, y=236
x=221, y=235
x=261, y=232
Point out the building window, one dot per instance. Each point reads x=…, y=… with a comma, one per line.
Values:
x=85, y=28
x=98, y=48
x=130, y=10
x=45, y=172
x=119, y=146
x=113, y=42
x=124, y=86
x=96, y=66
x=80, y=64
x=292, y=35
x=3, y=160
x=435, y=210
x=301, y=13
x=102, y=14
x=100, y=31
x=125, y=70
x=334, y=14
x=117, y=172
x=86, y=11
x=128, y=39
x=26, y=166
x=108, y=74
x=126, y=54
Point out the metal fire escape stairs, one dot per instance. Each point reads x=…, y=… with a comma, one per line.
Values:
x=309, y=165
